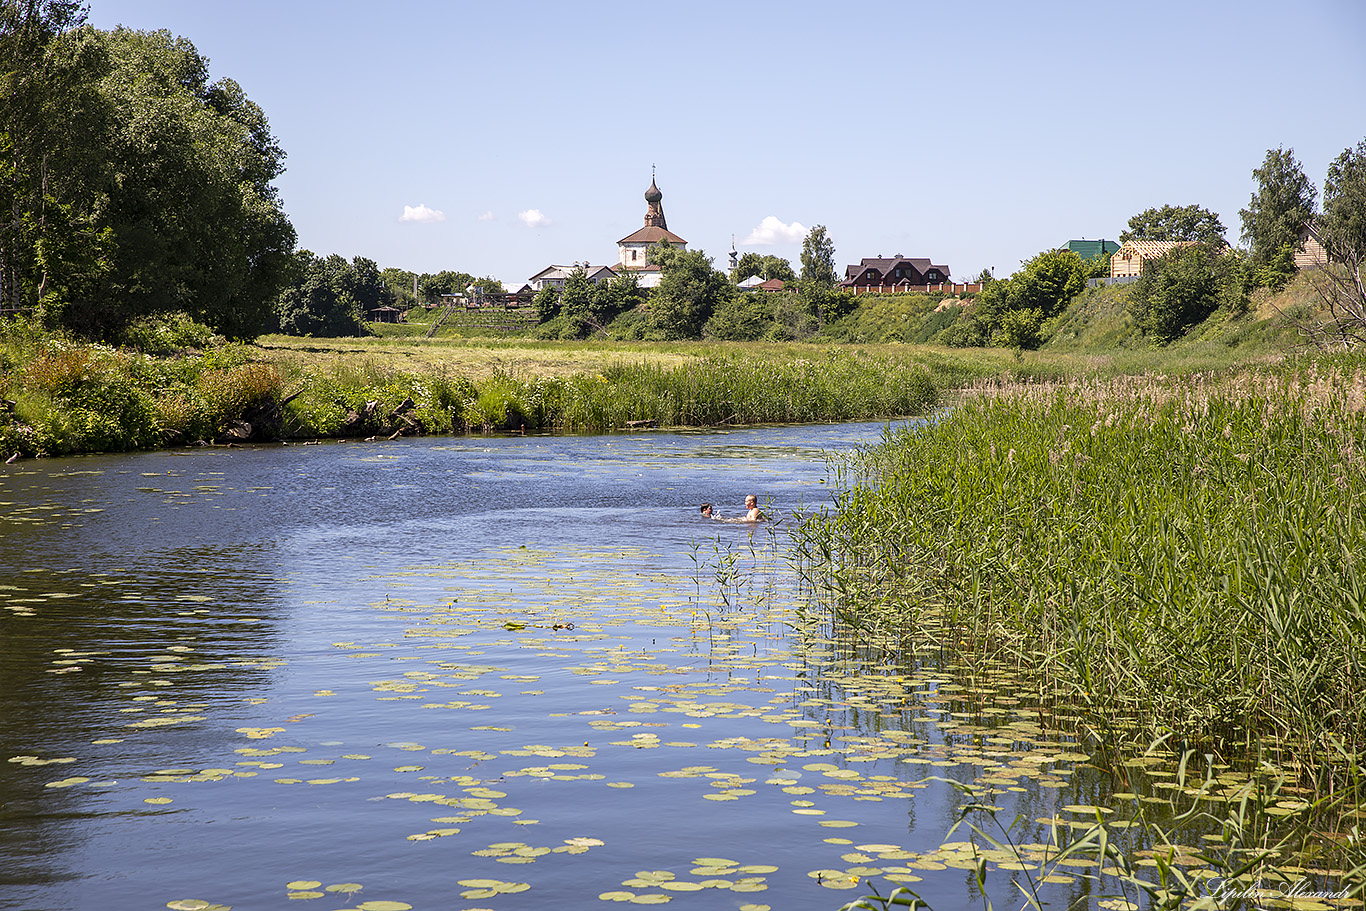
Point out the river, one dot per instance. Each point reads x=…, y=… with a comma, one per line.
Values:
x=471, y=673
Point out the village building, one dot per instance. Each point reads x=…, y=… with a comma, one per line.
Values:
x=758, y=283
x=1309, y=250
x=556, y=276
x=633, y=252
x=1091, y=249
x=1128, y=261
x=884, y=272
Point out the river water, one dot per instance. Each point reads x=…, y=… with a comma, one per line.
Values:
x=468, y=673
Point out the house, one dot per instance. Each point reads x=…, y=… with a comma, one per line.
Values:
x=1129, y=259
x=1309, y=251
x=897, y=270
x=558, y=275
x=633, y=249
x=757, y=283
x=1091, y=249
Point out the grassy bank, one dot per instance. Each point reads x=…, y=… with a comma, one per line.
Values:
x=1173, y=557
x=67, y=397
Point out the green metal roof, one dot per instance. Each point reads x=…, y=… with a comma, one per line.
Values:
x=1092, y=249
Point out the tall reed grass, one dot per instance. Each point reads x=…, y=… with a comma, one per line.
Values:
x=1173, y=557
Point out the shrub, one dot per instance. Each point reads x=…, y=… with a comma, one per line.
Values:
x=1175, y=291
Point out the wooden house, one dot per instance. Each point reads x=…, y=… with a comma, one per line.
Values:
x=1132, y=255
x=1309, y=251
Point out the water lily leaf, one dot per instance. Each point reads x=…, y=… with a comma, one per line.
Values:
x=344, y=887
x=302, y=884
x=188, y=904
x=304, y=895
x=383, y=906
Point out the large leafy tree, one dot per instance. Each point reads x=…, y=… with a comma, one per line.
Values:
x=818, y=258
x=1176, y=223
x=1281, y=207
x=1342, y=230
x=136, y=186
x=50, y=243
x=765, y=267
x=329, y=296
x=689, y=291
x=1343, y=223
x=1175, y=291
x=1016, y=307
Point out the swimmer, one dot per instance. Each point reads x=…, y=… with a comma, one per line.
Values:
x=706, y=511
x=752, y=512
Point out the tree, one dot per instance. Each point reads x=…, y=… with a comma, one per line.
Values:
x=576, y=301
x=1175, y=291
x=1281, y=207
x=430, y=287
x=1342, y=226
x=400, y=283
x=547, y=302
x=818, y=258
x=136, y=187
x=1342, y=231
x=322, y=300
x=1176, y=223
x=1017, y=306
x=689, y=291
x=51, y=246
x=765, y=267
x=487, y=285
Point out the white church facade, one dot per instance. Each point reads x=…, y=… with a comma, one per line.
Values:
x=632, y=251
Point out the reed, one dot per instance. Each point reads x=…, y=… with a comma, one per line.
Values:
x=1173, y=557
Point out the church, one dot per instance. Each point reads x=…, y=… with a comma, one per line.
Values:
x=632, y=251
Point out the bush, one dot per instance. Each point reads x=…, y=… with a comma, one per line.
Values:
x=1020, y=329
x=1175, y=291
x=965, y=333
x=169, y=334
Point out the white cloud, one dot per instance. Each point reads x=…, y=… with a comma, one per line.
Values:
x=421, y=213
x=486, y=216
x=533, y=218
x=772, y=231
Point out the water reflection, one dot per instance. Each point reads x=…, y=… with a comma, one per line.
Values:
x=402, y=664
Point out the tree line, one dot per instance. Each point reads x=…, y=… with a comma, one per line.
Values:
x=131, y=184
x=694, y=299
x=1190, y=282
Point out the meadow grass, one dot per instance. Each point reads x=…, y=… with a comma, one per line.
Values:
x=1173, y=557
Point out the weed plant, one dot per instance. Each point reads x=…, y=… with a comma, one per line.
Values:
x=1173, y=558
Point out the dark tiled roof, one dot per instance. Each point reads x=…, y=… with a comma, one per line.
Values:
x=886, y=265
x=652, y=235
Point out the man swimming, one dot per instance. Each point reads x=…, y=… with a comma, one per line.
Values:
x=753, y=513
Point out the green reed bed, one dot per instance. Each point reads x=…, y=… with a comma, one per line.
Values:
x=1175, y=557
x=61, y=396
x=735, y=389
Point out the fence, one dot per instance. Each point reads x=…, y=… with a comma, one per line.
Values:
x=951, y=288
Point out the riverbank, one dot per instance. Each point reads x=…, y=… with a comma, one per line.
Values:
x=64, y=397
x=176, y=385
x=1172, y=558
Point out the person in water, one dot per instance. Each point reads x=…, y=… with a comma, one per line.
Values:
x=752, y=512
x=706, y=511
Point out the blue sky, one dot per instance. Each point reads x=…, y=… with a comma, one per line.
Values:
x=976, y=133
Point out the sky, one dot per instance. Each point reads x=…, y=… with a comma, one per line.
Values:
x=500, y=138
